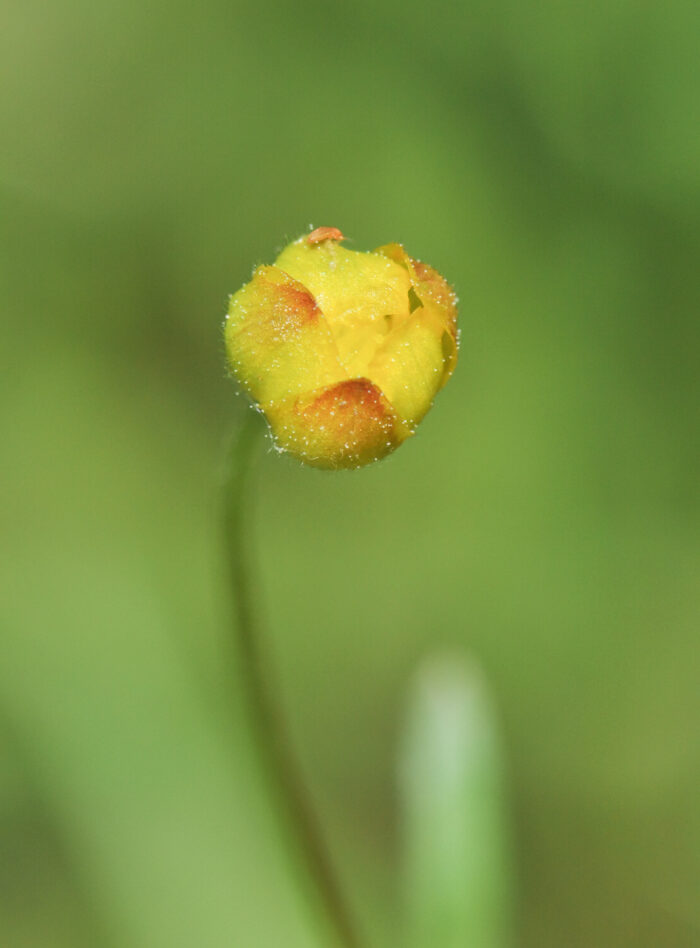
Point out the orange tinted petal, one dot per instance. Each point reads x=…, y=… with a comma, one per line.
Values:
x=277, y=339
x=432, y=286
x=342, y=426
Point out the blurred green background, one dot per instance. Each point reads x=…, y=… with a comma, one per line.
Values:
x=546, y=158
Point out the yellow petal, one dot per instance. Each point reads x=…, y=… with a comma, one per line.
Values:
x=432, y=286
x=356, y=291
x=397, y=253
x=431, y=290
x=277, y=340
x=428, y=284
x=345, y=425
x=413, y=364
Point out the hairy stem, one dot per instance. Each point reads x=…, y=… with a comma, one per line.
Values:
x=267, y=719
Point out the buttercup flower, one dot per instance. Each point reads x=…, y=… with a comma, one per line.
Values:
x=342, y=351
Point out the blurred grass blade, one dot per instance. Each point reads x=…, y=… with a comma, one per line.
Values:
x=457, y=888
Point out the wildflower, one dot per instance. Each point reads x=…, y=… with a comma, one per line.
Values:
x=342, y=351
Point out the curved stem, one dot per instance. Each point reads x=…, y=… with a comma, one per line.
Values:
x=269, y=724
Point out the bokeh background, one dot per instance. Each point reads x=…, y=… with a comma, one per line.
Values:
x=546, y=158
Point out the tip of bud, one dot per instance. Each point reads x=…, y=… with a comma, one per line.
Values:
x=324, y=233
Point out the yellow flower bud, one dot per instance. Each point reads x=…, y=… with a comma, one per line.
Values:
x=342, y=351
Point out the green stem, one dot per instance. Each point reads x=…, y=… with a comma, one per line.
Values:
x=267, y=719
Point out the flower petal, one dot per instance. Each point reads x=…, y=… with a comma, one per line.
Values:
x=341, y=426
x=277, y=339
x=412, y=365
x=356, y=291
x=432, y=286
x=397, y=253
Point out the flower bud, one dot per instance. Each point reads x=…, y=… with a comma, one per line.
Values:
x=342, y=351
